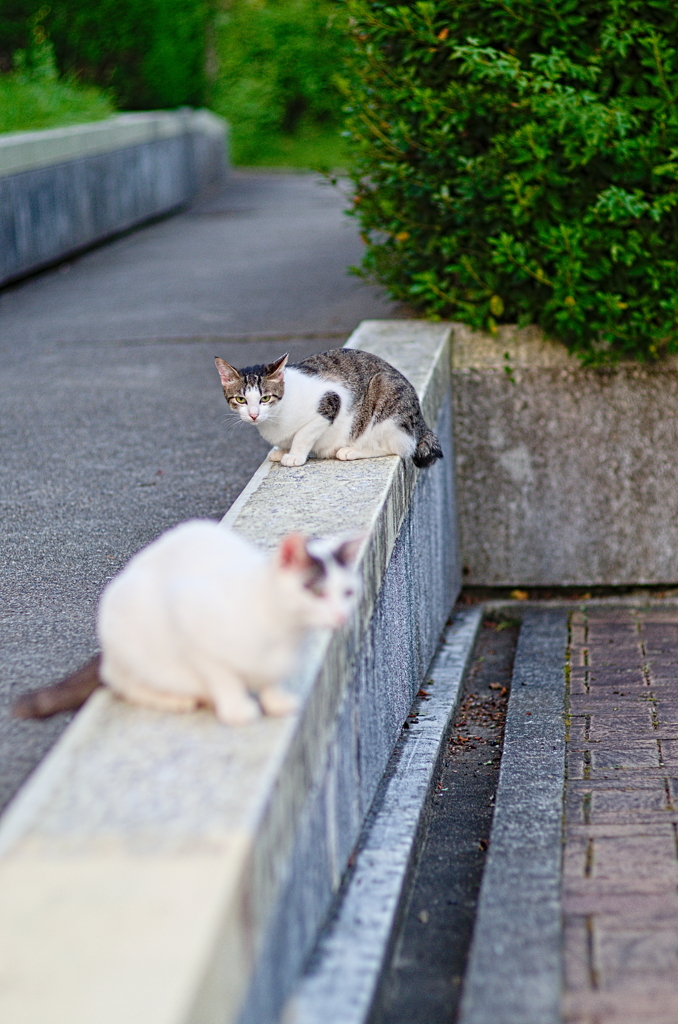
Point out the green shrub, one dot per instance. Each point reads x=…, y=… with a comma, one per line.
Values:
x=276, y=62
x=517, y=161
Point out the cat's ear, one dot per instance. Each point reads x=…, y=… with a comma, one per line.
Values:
x=276, y=371
x=228, y=374
x=347, y=552
x=293, y=553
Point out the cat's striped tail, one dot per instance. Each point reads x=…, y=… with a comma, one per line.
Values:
x=67, y=695
x=428, y=449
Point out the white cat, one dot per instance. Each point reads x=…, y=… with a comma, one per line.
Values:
x=202, y=617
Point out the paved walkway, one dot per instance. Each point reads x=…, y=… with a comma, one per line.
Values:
x=620, y=886
x=112, y=422
x=112, y=428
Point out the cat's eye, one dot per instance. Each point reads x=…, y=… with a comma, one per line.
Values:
x=240, y=400
x=266, y=398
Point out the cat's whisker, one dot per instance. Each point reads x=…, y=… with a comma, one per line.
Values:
x=231, y=425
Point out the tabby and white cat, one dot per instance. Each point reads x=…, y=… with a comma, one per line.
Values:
x=202, y=617
x=343, y=404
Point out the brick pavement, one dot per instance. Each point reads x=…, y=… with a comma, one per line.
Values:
x=620, y=876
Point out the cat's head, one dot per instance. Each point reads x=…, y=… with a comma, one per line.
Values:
x=318, y=578
x=253, y=392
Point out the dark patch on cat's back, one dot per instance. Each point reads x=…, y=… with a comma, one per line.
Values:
x=350, y=367
x=373, y=399
x=388, y=396
x=329, y=406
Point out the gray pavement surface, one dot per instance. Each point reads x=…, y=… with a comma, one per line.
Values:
x=112, y=423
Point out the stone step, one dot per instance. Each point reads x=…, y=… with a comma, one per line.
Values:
x=514, y=968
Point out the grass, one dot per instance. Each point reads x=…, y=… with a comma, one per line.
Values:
x=27, y=105
x=310, y=148
x=30, y=105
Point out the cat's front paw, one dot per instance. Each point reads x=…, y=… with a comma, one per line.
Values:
x=276, y=701
x=347, y=454
x=237, y=710
x=292, y=460
x=275, y=455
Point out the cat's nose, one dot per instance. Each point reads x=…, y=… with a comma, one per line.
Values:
x=254, y=415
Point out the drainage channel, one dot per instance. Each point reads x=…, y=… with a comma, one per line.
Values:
x=422, y=981
x=451, y=911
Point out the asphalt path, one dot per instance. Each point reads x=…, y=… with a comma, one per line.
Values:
x=112, y=423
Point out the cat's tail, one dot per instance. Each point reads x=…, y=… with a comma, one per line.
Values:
x=67, y=695
x=428, y=449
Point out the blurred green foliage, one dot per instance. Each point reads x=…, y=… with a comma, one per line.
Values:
x=27, y=104
x=146, y=53
x=517, y=161
x=266, y=65
x=277, y=60
x=32, y=96
x=14, y=29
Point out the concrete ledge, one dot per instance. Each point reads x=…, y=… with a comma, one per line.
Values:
x=565, y=474
x=162, y=868
x=66, y=188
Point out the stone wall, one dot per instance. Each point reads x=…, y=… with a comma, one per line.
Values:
x=410, y=610
x=164, y=869
x=66, y=188
x=565, y=474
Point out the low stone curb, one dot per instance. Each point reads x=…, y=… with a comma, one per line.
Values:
x=515, y=962
x=341, y=984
